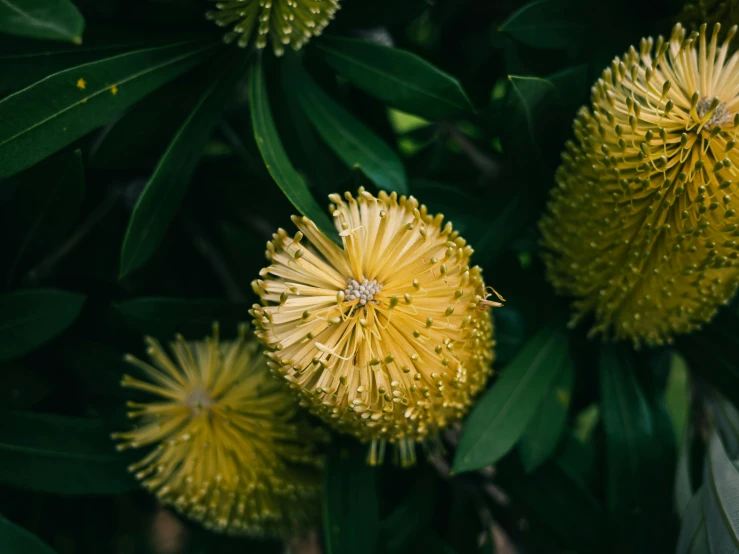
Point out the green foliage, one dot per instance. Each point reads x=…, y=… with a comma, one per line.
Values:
x=143, y=166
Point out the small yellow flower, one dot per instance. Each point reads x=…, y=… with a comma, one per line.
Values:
x=283, y=22
x=387, y=338
x=227, y=445
x=641, y=227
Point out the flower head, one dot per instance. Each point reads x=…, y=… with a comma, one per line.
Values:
x=227, y=445
x=641, y=227
x=284, y=22
x=387, y=338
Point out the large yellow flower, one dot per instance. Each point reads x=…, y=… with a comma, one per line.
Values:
x=283, y=22
x=228, y=447
x=387, y=338
x=641, y=227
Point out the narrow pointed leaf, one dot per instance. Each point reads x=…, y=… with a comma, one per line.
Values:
x=16, y=540
x=275, y=157
x=351, y=512
x=62, y=455
x=397, y=77
x=693, y=538
x=43, y=118
x=550, y=23
x=544, y=431
x=42, y=19
x=501, y=416
x=683, y=490
x=721, y=504
x=29, y=318
x=160, y=200
x=356, y=145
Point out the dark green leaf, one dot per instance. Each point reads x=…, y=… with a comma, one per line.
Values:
x=407, y=524
x=160, y=199
x=16, y=540
x=365, y=15
x=721, y=501
x=528, y=98
x=278, y=164
x=29, y=318
x=549, y=23
x=351, y=514
x=46, y=203
x=727, y=421
x=165, y=317
x=356, y=145
x=543, y=432
x=63, y=455
x=693, y=538
x=42, y=19
x=500, y=417
x=399, y=78
x=683, y=483
x=41, y=119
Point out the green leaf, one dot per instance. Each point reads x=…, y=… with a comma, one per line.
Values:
x=45, y=206
x=351, y=513
x=29, y=318
x=528, y=98
x=356, y=145
x=42, y=19
x=550, y=23
x=278, y=164
x=160, y=200
x=545, y=429
x=397, y=77
x=48, y=115
x=501, y=416
x=693, y=538
x=726, y=417
x=407, y=524
x=16, y=540
x=683, y=489
x=721, y=502
x=62, y=455
x=165, y=317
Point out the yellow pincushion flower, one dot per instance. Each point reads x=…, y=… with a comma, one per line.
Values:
x=387, y=338
x=641, y=226
x=227, y=445
x=283, y=22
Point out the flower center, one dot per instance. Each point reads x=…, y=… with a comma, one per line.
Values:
x=199, y=400
x=364, y=291
x=719, y=116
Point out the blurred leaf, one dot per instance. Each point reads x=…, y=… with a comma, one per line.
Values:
x=726, y=418
x=636, y=440
x=62, y=455
x=45, y=205
x=550, y=23
x=165, y=317
x=42, y=19
x=29, y=318
x=399, y=78
x=559, y=494
x=683, y=483
x=41, y=119
x=693, y=538
x=16, y=540
x=407, y=524
x=160, y=199
x=720, y=498
x=356, y=145
x=351, y=513
x=528, y=97
x=278, y=164
x=677, y=395
x=544, y=430
x=500, y=417
x=378, y=13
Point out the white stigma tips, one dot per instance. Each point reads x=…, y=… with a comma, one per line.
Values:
x=364, y=291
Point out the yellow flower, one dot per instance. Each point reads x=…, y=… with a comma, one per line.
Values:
x=284, y=22
x=389, y=338
x=227, y=445
x=697, y=12
x=641, y=227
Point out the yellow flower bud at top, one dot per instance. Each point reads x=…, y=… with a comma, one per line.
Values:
x=227, y=444
x=401, y=354
x=282, y=22
x=641, y=226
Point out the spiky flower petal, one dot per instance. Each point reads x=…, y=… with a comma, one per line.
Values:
x=227, y=445
x=641, y=227
x=387, y=338
x=283, y=22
